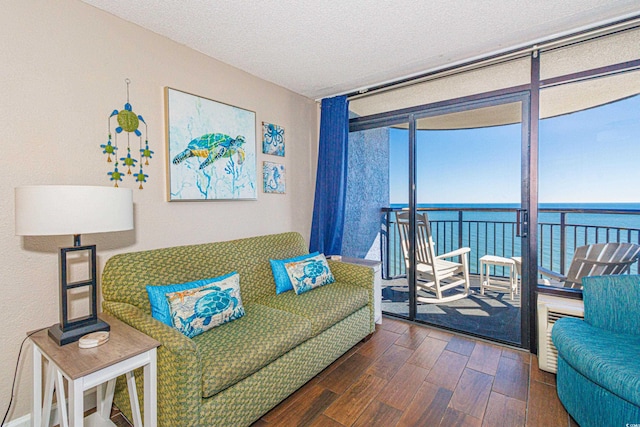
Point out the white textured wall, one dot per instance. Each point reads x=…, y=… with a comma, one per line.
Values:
x=61, y=74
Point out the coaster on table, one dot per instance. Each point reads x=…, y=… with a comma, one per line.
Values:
x=93, y=339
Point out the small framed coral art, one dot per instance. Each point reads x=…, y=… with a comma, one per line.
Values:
x=274, y=177
x=272, y=139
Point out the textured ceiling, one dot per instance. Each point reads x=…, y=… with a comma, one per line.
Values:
x=319, y=48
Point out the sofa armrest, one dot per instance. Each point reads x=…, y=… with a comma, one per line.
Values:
x=179, y=367
x=352, y=274
x=171, y=339
x=611, y=303
x=356, y=275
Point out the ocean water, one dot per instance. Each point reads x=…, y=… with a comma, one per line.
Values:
x=617, y=220
x=494, y=232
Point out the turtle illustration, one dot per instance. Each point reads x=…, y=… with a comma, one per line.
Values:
x=313, y=269
x=213, y=303
x=193, y=311
x=311, y=272
x=212, y=146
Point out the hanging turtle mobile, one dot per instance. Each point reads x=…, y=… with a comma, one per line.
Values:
x=129, y=122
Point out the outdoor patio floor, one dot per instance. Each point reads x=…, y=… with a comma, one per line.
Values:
x=492, y=315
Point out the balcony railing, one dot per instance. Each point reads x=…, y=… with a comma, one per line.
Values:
x=494, y=231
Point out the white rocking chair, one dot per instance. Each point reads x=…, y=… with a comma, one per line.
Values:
x=434, y=273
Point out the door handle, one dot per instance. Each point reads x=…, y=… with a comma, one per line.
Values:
x=522, y=223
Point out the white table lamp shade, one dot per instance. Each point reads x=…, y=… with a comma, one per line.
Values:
x=43, y=210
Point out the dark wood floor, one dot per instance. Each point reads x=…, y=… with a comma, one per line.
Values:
x=411, y=375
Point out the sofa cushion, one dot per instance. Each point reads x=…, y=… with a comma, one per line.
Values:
x=323, y=306
x=195, y=311
x=235, y=350
x=309, y=273
x=283, y=283
x=607, y=359
x=158, y=296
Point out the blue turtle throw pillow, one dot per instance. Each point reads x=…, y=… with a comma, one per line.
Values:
x=283, y=283
x=197, y=310
x=309, y=273
x=158, y=300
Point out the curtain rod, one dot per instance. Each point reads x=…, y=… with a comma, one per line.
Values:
x=573, y=36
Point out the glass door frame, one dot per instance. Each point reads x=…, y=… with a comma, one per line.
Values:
x=529, y=99
x=525, y=204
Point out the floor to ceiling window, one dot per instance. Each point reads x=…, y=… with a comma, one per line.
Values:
x=589, y=127
x=476, y=171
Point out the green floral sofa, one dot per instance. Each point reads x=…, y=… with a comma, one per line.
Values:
x=234, y=373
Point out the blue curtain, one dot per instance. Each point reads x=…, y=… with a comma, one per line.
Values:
x=331, y=177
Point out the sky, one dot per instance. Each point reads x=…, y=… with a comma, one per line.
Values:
x=591, y=156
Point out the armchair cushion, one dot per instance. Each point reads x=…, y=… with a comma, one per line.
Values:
x=598, y=355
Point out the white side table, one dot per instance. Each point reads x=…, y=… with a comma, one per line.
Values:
x=98, y=367
x=377, y=282
x=485, y=278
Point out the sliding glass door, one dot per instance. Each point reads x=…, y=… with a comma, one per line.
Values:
x=469, y=187
x=458, y=181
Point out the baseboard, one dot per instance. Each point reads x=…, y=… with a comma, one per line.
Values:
x=25, y=421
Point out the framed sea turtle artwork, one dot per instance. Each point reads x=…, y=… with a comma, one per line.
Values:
x=274, y=177
x=211, y=149
x=272, y=139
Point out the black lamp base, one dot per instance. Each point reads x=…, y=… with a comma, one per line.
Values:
x=74, y=334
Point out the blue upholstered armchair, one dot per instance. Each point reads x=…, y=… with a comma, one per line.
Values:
x=599, y=358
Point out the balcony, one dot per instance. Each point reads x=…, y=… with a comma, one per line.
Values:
x=495, y=231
